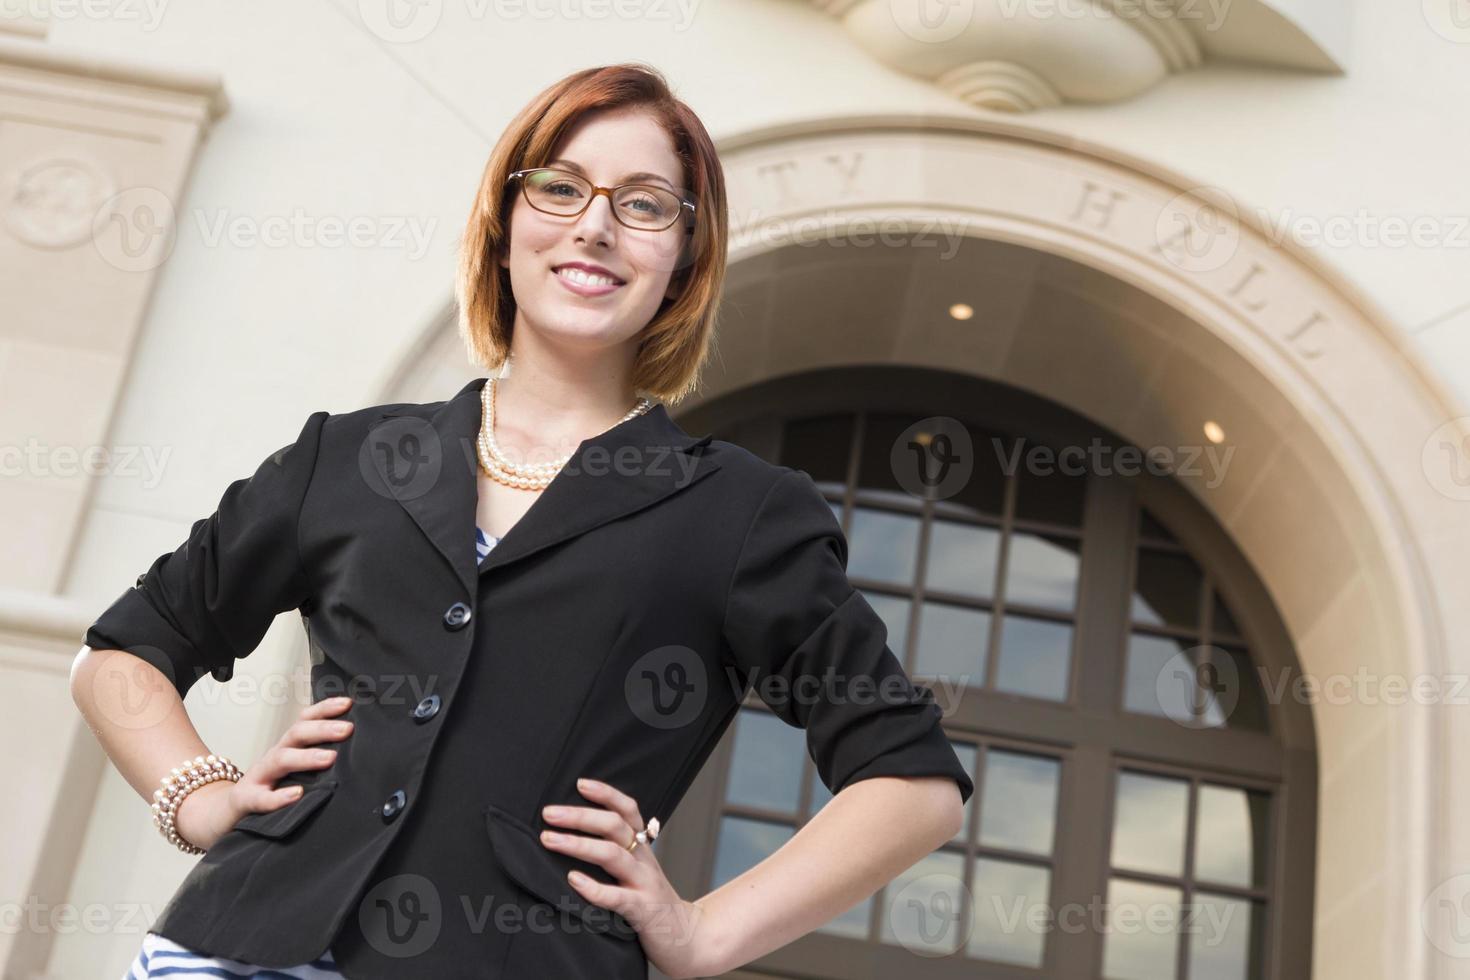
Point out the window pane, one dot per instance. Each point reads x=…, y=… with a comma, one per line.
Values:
x=894, y=611
x=1160, y=678
x=821, y=795
x=984, y=493
x=1005, y=925
x=1230, y=689
x=922, y=907
x=1227, y=942
x=766, y=762
x=1055, y=496
x=1222, y=622
x=853, y=923
x=1042, y=571
x=1034, y=657
x=883, y=545
x=1167, y=590
x=744, y=844
x=1142, y=931
x=1149, y=527
x=1230, y=836
x=967, y=754
x=820, y=446
x=875, y=467
x=1019, y=801
x=953, y=642
x=1148, y=823
x=1197, y=686
x=962, y=558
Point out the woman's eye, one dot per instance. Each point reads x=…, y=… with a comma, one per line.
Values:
x=648, y=205
x=562, y=188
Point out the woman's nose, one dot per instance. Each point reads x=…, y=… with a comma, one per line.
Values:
x=597, y=220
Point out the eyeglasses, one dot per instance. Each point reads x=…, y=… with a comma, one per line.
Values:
x=646, y=207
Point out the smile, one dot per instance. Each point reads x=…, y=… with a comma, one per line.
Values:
x=584, y=283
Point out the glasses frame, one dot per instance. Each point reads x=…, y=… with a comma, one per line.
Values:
x=609, y=191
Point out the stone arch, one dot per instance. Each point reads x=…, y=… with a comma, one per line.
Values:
x=1150, y=304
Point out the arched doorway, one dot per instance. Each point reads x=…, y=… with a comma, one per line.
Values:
x=1130, y=295
x=1055, y=613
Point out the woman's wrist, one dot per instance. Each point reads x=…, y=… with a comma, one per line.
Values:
x=205, y=814
x=712, y=942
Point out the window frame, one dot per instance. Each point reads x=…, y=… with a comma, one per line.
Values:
x=1088, y=731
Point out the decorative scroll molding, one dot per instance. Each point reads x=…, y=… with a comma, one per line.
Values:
x=1023, y=55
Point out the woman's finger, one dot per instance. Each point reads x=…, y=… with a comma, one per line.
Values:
x=279, y=797
x=614, y=799
x=612, y=856
x=326, y=708
x=593, y=820
x=314, y=731
x=285, y=760
x=613, y=897
x=258, y=797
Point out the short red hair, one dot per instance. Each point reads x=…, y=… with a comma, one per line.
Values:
x=677, y=341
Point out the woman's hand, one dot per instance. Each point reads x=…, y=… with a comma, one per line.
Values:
x=211, y=811
x=673, y=932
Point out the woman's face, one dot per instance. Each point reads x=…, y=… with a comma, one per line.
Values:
x=607, y=148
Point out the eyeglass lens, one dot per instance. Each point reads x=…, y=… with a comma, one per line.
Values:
x=635, y=205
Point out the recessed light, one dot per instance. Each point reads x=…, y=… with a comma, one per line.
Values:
x=961, y=311
x=1213, y=432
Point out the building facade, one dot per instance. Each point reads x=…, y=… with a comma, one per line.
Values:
x=1191, y=281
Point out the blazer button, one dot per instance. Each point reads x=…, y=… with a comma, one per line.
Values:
x=394, y=804
x=426, y=709
x=457, y=616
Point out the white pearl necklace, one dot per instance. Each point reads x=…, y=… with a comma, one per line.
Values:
x=524, y=476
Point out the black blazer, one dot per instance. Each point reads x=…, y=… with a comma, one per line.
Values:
x=611, y=633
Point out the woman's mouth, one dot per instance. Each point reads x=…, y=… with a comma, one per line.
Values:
x=585, y=283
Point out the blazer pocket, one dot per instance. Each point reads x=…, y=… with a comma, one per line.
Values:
x=543, y=872
x=278, y=823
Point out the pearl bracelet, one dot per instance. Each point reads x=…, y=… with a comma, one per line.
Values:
x=179, y=783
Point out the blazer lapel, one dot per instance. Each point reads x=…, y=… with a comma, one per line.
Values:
x=631, y=466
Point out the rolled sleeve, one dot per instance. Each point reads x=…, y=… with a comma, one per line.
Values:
x=208, y=603
x=817, y=651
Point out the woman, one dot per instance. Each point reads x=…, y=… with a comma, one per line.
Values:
x=590, y=268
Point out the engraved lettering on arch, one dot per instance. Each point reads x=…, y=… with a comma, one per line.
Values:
x=1256, y=305
x=1306, y=345
x=1305, y=337
x=779, y=175
x=847, y=166
x=786, y=176
x=1096, y=205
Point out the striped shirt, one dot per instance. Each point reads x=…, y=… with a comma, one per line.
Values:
x=162, y=957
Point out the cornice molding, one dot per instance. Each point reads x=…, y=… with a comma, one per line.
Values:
x=1024, y=55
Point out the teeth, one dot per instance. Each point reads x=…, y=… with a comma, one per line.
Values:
x=577, y=275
